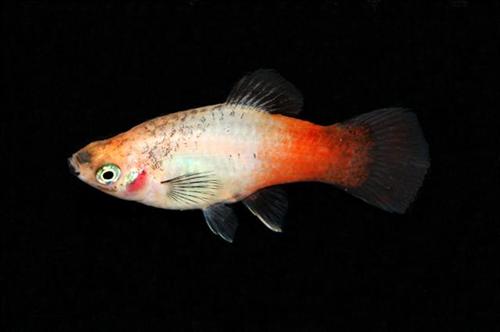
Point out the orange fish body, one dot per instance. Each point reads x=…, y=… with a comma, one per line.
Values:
x=208, y=157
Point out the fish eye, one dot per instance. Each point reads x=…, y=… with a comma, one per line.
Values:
x=108, y=174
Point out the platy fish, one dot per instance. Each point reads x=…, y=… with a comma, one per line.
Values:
x=241, y=150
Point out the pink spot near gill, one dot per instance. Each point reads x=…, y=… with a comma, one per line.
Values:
x=138, y=183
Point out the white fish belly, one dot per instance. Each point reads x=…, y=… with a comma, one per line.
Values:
x=220, y=144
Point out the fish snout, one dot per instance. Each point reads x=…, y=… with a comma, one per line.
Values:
x=72, y=167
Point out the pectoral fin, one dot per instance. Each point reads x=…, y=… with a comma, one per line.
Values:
x=221, y=220
x=192, y=188
x=270, y=206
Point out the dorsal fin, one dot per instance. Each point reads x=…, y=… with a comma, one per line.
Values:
x=268, y=91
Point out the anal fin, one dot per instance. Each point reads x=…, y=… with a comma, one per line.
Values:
x=270, y=206
x=221, y=220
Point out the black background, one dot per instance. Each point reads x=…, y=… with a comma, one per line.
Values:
x=75, y=259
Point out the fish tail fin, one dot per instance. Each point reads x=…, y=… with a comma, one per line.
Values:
x=380, y=157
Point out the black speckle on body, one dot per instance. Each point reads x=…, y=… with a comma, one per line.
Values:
x=155, y=163
x=150, y=128
x=166, y=151
x=221, y=114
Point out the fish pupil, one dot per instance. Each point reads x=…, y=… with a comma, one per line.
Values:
x=108, y=175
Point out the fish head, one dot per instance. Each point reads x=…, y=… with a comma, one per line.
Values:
x=113, y=166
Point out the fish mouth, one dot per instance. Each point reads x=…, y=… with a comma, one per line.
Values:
x=73, y=169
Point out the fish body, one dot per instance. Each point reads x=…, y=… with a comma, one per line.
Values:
x=241, y=150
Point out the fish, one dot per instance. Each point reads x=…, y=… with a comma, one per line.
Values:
x=246, y=148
